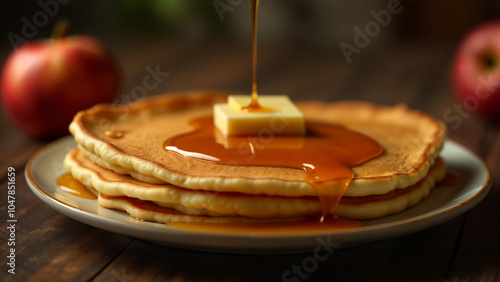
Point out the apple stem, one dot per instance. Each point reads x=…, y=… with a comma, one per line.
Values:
x=60, y=29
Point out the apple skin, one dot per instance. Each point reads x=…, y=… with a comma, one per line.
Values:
x=45, y=83
x=476, y=71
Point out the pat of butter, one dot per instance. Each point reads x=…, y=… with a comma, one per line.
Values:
x=285, y=119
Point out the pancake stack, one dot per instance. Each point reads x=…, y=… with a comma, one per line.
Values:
x=120, y=154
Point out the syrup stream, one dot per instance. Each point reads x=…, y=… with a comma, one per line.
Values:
x=254, y=106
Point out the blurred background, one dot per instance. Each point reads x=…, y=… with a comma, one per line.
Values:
x=177, y=33
x=315, y=21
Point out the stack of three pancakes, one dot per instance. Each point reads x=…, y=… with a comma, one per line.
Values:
x=120, y=154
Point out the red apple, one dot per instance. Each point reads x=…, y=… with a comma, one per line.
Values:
x=45, y=83
x=476, y=72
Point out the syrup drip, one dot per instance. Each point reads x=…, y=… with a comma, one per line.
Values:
x=326, y=154
x=68, y=184
x=113, y=134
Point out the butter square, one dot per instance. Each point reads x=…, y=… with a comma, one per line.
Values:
x=286, y=119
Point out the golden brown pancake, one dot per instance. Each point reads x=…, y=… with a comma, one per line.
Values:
x=123, y=191
x=128, y=140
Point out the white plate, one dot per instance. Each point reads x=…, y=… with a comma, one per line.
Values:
x=443, y=204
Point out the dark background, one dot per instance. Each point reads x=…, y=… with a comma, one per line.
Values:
x=147, y=27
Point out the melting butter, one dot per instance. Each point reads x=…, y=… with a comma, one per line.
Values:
x=279, y=117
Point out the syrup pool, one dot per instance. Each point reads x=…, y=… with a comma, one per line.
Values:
x=326, y=153
x=68, y=184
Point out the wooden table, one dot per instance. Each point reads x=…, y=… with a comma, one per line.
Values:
x=51, y=246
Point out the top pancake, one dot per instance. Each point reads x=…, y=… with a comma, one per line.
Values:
x=411, y=142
